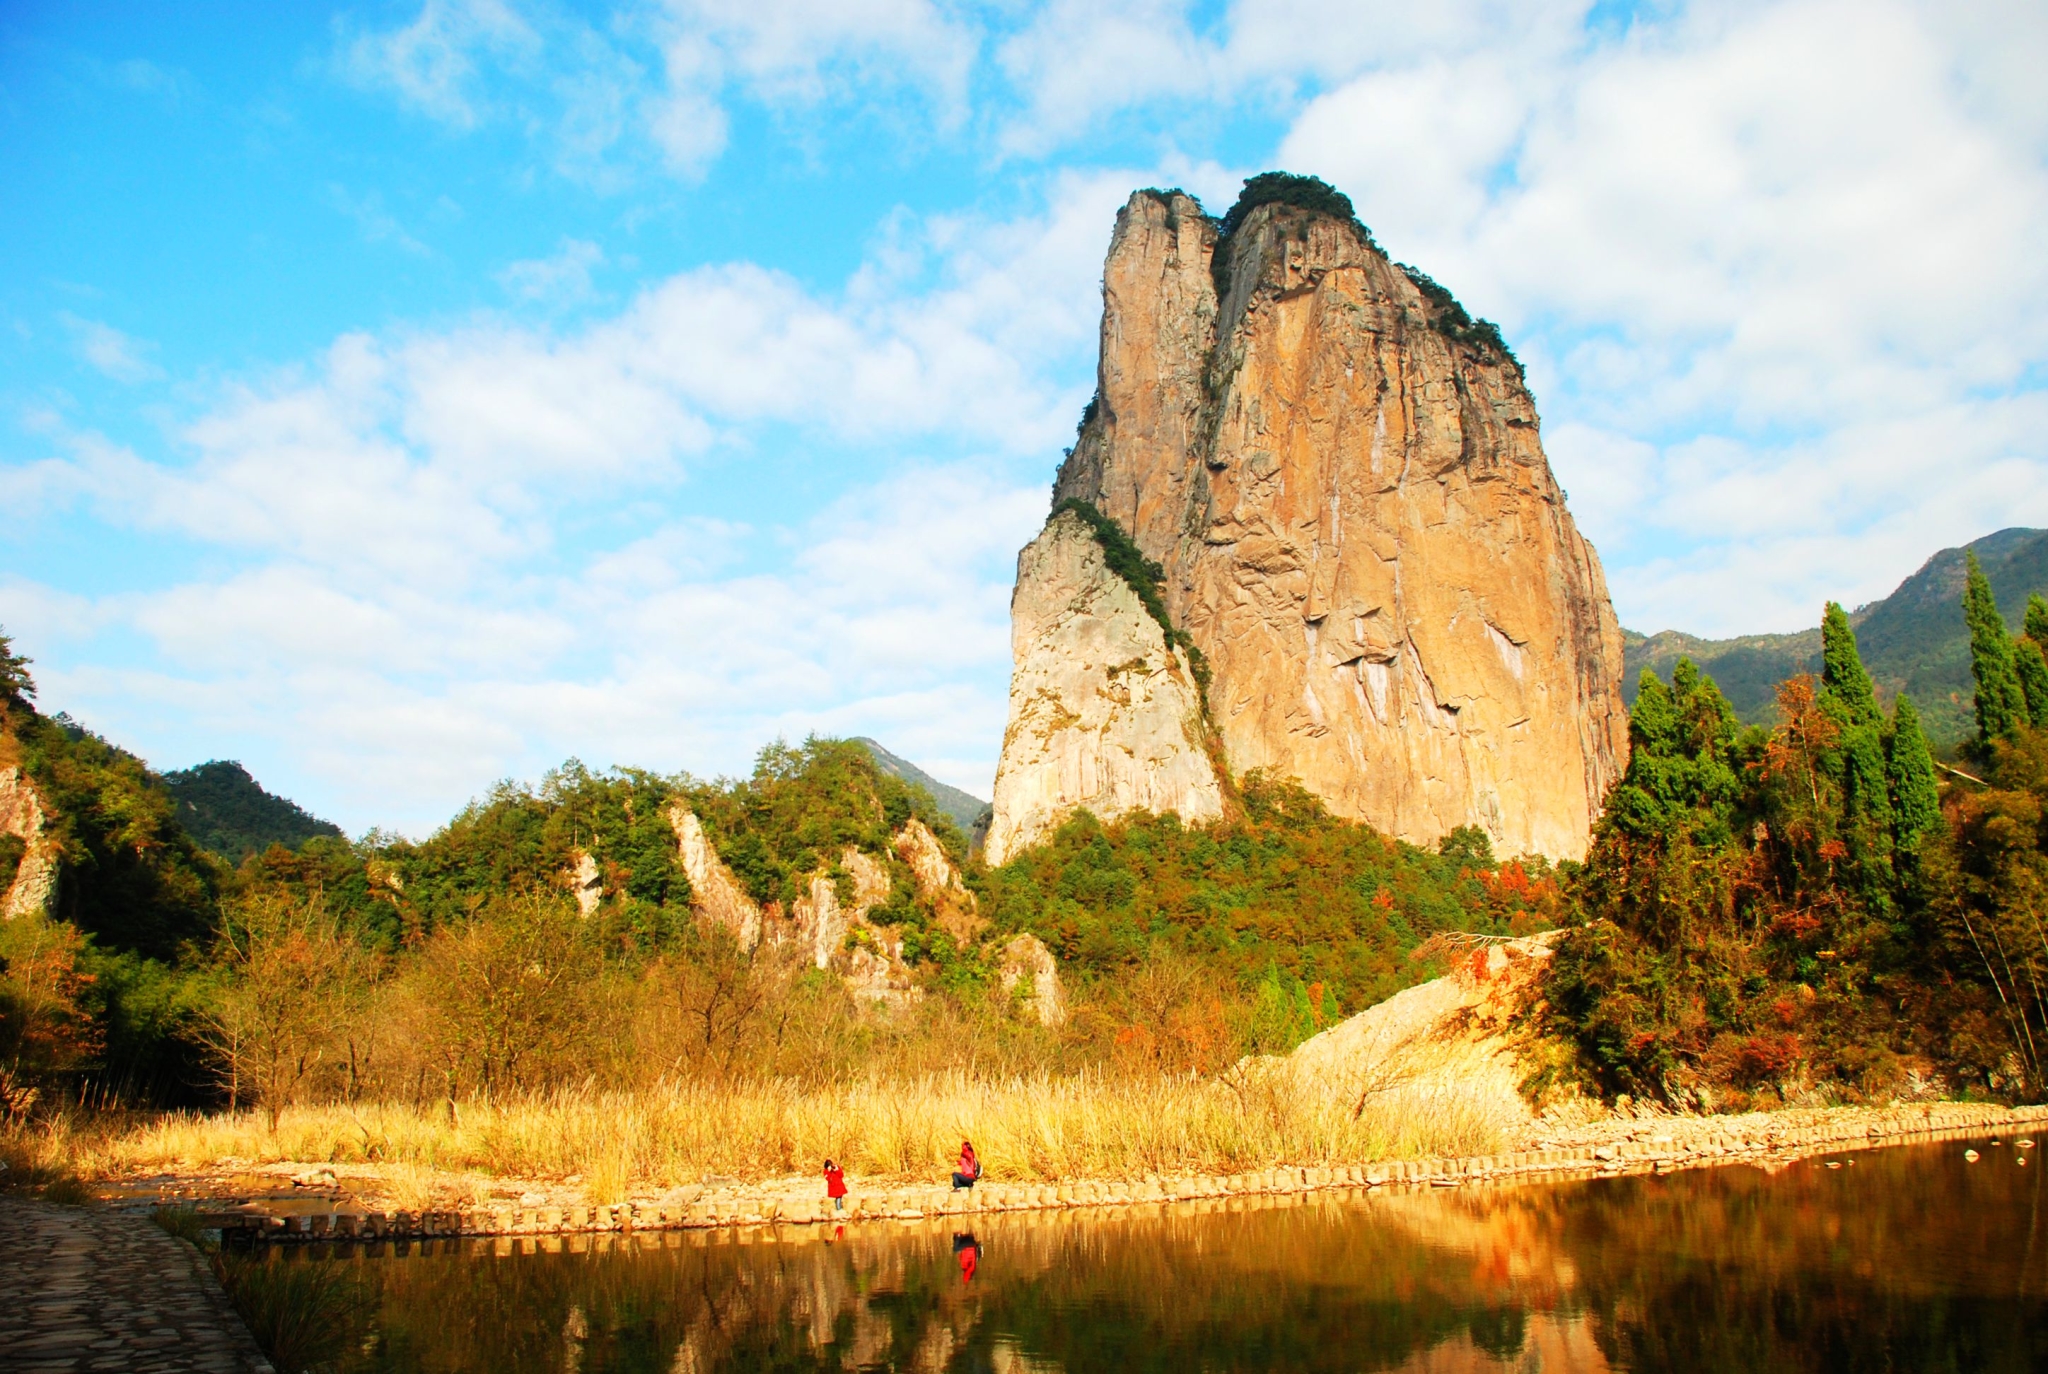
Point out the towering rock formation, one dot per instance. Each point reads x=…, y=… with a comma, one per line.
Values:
x=1340, y=477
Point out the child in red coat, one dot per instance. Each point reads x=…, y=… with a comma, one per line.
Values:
x=835, y=1185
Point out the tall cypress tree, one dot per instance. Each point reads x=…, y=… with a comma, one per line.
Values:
x=1842, y=677
x=2001, y=701
x=2032, y=668
x=2037, y=620
x=1847, y=696
x=1909, y=766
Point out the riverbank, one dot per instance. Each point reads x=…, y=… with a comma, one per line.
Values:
x=317, y=1203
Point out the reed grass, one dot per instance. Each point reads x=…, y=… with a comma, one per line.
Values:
x=305, y=1313
x=1044, y=1128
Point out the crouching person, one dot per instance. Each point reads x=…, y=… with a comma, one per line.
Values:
x=969, y=1171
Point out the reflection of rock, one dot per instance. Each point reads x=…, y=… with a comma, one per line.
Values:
x=1007, y=1357
x=586, y=882
x=34, y=882
x=1025, y=961
x=714, y=891
x=1104, y=716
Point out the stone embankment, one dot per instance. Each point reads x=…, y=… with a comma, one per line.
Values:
x=1658, y=1144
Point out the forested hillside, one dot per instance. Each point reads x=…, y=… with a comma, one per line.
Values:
x=230, y=814
x=1912, y=641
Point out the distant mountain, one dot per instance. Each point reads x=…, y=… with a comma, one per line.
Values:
x=1912, y=641
x=962, y=807
x=228, y=812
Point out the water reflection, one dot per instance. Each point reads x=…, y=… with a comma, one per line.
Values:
x=1905, y=1259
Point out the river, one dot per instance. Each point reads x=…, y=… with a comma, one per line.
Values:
x=1910, y=1258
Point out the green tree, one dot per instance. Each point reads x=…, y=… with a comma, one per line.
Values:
x=2033, y=674
x=1916, y=803
x=1845, y=686
x=2001, y=700
x=2037, y=619
x=17, y=688
x=1847, y=697
x=1681, y=775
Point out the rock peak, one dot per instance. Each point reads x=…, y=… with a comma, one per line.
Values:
x=1339, y=475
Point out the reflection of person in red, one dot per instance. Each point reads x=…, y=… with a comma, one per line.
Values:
x=968, y=1251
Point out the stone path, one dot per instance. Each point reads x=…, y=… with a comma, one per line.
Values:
x=90, y=1289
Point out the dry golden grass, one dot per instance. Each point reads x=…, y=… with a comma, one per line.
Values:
x=1043, y=1128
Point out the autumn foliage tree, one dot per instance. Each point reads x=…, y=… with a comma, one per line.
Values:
x=287, y=980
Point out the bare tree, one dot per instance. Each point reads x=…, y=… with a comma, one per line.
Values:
x=284, y=976
x=504, y=993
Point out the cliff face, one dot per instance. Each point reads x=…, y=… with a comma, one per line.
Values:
x=1343, y=483
x=1103, y=713
x=31, y=887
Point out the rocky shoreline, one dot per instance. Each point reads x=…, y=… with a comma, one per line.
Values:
x=1609, y=1147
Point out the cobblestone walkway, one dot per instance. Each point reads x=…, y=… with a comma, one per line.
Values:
x=89, y=1289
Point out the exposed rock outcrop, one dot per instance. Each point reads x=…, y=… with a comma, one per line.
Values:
x=828, y=927
x=1466, y=1038
x=1026, y=963
x=714, y=892
x=1104, y=714
x=1342, y=480
x=938, y=881
x=822, y=920
x=34, y=881
x=586, y=883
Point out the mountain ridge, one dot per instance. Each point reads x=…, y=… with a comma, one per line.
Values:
x=229, y=813
x=963, y=808
x=1912, y=640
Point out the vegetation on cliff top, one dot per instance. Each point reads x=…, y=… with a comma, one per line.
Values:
x=1286, y=188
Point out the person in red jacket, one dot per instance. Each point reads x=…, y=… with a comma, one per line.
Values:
x=969, y=1172
x=835, y=1185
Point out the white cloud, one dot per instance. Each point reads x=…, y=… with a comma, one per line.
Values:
x=377, y=224
x=589, y=95
x=432, y=558
x=685, y=119
x=1774, y=269
x=433, y=63
x=563, y=279
x=802, y=51
x=119, y=356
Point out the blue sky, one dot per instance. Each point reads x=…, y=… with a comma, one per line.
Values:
x=404, y=396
